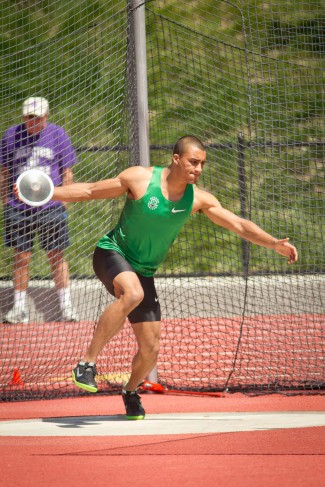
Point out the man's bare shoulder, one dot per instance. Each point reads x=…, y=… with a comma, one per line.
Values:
x=203, y=199
x=136, y=173
x=136, y=179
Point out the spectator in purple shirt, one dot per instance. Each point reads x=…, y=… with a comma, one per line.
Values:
x=36, y=143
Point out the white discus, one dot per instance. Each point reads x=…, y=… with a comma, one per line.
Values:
x=35, y=187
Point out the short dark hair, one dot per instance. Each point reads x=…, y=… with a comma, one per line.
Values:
x=183, y=142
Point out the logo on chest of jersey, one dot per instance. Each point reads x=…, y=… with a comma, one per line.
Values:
x=153, y=203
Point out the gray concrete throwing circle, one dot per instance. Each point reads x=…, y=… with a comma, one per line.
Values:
x=161, y=424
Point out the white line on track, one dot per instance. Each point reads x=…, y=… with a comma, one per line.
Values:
x=161, y=424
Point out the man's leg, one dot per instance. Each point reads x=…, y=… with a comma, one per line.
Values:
x=52, y=228
x=148, y=338
x=60, y=274
x=145, y=320
x=20, y=281
x=129, y=293
x=59, y=268
x=19, y=232
x=21, y=270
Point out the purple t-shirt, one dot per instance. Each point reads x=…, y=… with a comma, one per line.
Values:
x=50, y=151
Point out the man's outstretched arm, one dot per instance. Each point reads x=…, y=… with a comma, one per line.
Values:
x=108, y=188
x=246, y=229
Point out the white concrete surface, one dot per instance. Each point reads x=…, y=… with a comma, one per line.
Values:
x=162, y=424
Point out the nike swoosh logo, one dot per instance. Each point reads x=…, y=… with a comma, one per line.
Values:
x=78, y=374
x=176, y=211
x=156, y=299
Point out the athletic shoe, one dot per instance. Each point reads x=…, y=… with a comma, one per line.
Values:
x=133, y=406
x=16, y=315
x=69, y=314
x=84, y=377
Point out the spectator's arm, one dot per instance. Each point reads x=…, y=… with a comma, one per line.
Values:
x=67, y=176
x=4, y=185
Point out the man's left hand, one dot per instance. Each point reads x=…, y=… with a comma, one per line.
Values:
x=283, y=247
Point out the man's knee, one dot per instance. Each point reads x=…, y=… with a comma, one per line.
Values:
x=132, y=298
x=22, y=257
x=135, y=296
x=154, y=349
x=55, y=256
x=150, y=348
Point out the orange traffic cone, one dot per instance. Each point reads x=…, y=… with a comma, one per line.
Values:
x=16, y=379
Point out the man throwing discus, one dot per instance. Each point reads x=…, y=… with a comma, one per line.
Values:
x=159, y=200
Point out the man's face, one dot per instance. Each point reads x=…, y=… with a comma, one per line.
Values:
x=34, y=125
x=191, y=163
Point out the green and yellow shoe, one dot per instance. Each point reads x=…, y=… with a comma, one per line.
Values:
x=133, y=406
x=84, y=376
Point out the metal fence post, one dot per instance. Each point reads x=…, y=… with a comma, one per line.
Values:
x=242, y=183
x=141, y=154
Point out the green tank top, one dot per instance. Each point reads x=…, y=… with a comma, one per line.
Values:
x=148, y=226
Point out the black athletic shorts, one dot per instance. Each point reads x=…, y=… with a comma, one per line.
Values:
x=108, y=264
x=51, y=225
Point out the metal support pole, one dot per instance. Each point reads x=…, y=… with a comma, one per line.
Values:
x=138, y=36
x=243, y=196
x=139, y=30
